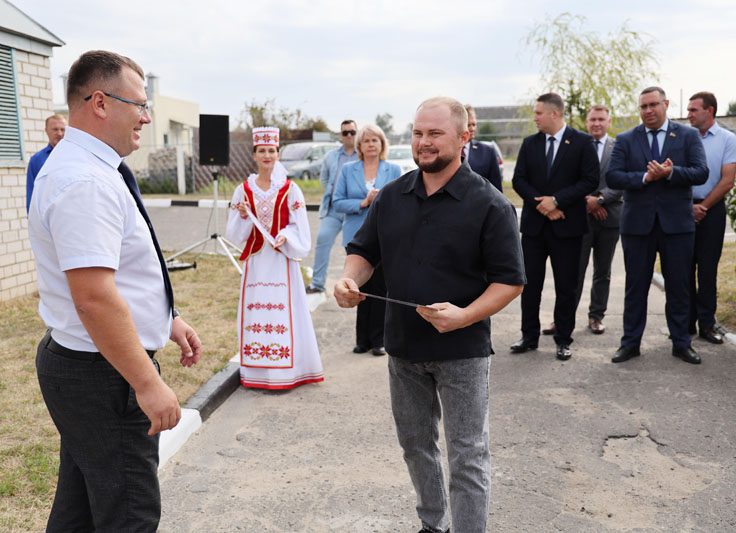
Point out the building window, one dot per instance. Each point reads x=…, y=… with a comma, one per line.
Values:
x=10, y=142
x=166, y=139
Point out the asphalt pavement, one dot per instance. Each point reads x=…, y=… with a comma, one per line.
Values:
x=582, y=445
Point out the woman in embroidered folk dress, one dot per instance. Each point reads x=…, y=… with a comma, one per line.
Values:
x=277, y=345
x=356, y=188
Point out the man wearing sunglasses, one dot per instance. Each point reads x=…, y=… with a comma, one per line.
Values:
x=330, y=222
x=106, y=299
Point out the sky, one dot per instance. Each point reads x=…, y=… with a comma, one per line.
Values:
x=340, y=59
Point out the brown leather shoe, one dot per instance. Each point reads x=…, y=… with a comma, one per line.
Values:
x=596, y=326
x=551, y=330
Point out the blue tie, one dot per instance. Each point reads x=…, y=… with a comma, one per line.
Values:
x=130, y=182
x=655, y=145
x=550, y=155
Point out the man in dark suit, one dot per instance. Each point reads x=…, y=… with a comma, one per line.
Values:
x=482, y=158
x=604, y=212
x=656, y=164
x=555, y=170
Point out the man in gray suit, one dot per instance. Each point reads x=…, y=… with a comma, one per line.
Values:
x=604, y=212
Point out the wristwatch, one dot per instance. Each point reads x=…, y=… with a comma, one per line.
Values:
x=175, y=313
x=600, y=199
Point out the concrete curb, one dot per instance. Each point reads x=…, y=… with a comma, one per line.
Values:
x=208, y=398
x=167, y=202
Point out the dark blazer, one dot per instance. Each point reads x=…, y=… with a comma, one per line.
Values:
x=612, y=198
x=483, y=160
x=574, y=175
x=670, y=200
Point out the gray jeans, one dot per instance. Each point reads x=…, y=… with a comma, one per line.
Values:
x=419, y=393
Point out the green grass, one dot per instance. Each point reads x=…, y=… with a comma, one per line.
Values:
x=29, y=443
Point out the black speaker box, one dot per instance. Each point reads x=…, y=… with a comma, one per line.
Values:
x=214, y=140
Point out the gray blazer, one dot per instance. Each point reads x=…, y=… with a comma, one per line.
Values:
x=612, y=198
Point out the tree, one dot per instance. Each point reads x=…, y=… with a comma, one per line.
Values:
x=256, y=114
x=587, y=68
x=384, y=122
x=731, y=109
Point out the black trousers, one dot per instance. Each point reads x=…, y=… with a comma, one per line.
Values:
x=564, y=255
x=108, y=464
x=675, y=254
x=706, y=255
x=371, y=312
x=602, y=242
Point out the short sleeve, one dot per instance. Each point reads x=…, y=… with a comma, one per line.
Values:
x=503, y=260
x=87, y=222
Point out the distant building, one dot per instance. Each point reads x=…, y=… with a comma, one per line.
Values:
x=25, y=102
x=507, y=125
x=172, y=126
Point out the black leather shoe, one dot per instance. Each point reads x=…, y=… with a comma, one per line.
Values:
x=551, y=330
x=360, y=349
x=524, y=345
x=425, y=530
x=378, y=350
x=563, y=352
x=687, y=354
x=313, y=290
x=711, y=335
x=625, y=353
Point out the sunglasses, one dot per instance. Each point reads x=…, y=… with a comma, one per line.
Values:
x=345, y=133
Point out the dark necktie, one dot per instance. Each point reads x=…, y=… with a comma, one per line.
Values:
x=597, y=148
x=655, y=145
x=550, y=155
x=129, y=180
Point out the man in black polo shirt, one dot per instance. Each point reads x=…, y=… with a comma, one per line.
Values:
x=449, y=241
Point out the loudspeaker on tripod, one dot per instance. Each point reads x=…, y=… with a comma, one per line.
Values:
x=214, y=140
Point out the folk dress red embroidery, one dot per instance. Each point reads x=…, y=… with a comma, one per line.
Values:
x=277, y=345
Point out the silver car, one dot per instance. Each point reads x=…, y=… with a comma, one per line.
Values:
x=401, y=155
x=303, y=160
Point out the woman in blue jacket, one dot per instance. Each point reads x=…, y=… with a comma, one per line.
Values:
x=356, y=188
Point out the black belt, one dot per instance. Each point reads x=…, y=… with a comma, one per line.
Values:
x=58, y=349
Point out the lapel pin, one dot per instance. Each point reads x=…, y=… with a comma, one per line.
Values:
x=567, y=141
x=672, y=134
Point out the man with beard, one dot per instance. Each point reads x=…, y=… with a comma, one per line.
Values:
x=448, y=241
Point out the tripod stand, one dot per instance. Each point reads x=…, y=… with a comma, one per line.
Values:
x=225, y=245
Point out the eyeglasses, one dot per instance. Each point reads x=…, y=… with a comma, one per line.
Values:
x=345, y=133
x=142, y=108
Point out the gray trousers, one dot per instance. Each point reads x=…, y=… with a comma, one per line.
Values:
x=602, y=241
x=419, y=394
x=108, y=465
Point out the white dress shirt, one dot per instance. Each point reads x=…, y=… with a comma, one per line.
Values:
x=83, y=215
x=558, y=140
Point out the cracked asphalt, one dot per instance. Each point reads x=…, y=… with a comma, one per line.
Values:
x=584, y=445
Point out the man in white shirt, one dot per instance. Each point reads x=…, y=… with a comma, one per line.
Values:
x=107, y=301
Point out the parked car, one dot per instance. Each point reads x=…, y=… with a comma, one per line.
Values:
x=400, y=154
x=303, y=160
x=493, y=145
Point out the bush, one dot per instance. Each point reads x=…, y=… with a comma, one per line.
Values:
x=158, y=186
x=731, y=207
